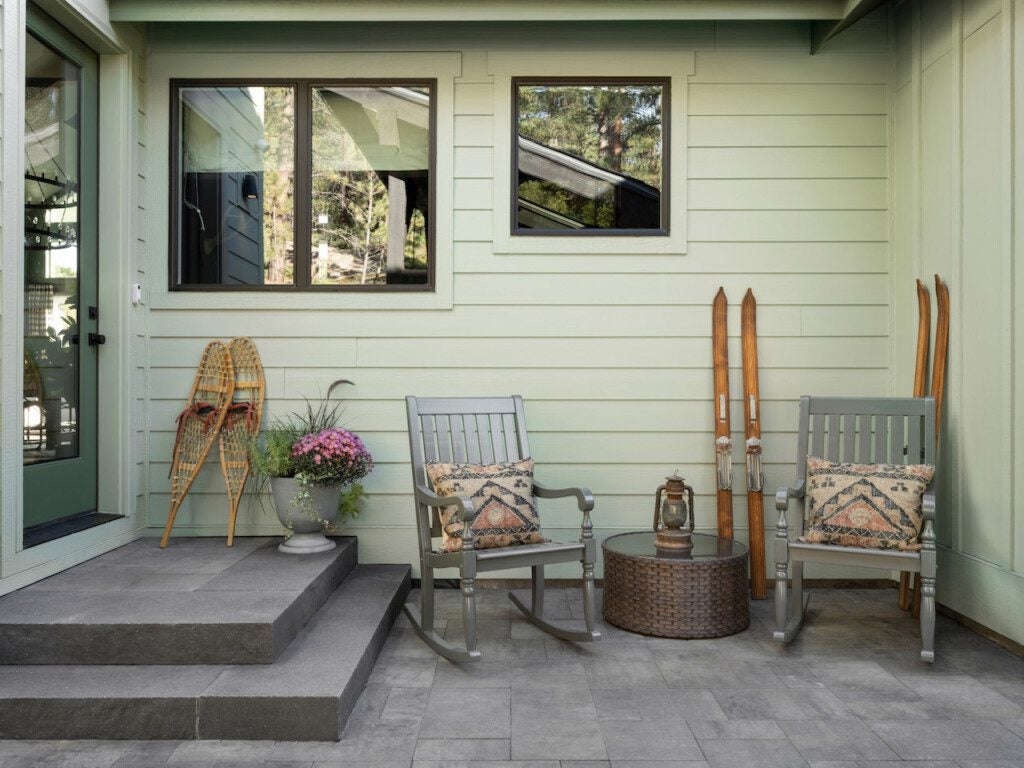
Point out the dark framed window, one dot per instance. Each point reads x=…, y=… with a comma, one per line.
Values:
x=590, y=156
x=302, y=185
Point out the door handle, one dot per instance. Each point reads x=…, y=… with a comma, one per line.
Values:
x=95, y=339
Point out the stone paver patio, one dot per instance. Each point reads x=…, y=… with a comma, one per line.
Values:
x=849, y=692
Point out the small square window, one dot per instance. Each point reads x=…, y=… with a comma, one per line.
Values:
x=590, y=157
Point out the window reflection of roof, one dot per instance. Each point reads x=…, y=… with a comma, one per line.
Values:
x=586, y=168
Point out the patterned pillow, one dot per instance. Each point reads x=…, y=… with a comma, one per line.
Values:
x=502, y=494
x=866, y=505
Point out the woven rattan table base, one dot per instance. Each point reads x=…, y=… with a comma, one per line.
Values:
x=676, y=598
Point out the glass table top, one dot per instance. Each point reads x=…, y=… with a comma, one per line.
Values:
x=705, y=547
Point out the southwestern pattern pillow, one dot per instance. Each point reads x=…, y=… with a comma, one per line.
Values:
x=866, y=505
x=502, y=494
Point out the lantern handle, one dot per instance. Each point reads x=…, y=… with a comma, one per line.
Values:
x=657, y=506
x=689, y=494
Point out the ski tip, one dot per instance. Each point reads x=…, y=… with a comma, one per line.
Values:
x=748, y=296
x=940, y=284
x=720, y=294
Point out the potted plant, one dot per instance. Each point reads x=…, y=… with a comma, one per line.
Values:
x=312, y=467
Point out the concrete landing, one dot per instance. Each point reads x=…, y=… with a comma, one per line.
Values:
x=307, y=694
x=196, y=602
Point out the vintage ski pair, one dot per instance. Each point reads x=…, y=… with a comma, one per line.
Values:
x=924, y=327
x=752, y=429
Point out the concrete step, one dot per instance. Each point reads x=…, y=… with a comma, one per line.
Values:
x=196, y=602
x=307, y=694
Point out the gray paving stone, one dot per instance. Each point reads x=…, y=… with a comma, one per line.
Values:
x=455, y=713
x=484, y=674
x=658, y=704
x=194, y=751
x=717, y=672
x=779, y=703
x=370, y=743
x=552, y=675
x=649, y=740
x=744, y=753
x=1017, y=725
x=540, y=736
x=463, y=749
x=950, y=739
x=961, y=696
x=623, y=674
x=612, y=650
x=405, y=673
x=845, y=739
x=405, y=704
x=851, y=681
x=68, y=754
x=735, y=729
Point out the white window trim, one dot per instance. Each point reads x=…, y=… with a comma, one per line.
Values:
x=444, y=66
x=677, y=66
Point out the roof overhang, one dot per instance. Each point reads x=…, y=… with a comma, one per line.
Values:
x=828, y=12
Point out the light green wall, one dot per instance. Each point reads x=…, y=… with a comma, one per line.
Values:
x=954, y=180
x=787, y=161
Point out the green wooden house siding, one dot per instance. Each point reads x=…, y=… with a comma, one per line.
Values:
x=956, y=97
x=784, y=168
x=826, y=183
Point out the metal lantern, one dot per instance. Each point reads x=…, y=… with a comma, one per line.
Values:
x=673, y=517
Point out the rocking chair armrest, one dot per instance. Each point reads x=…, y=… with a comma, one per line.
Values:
x=928, y=505
x=784, y=494
x=584, y=498
x=426, y=496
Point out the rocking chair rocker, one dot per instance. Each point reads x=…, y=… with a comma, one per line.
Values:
x=485, y=431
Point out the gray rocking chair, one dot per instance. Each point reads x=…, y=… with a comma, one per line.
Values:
x=484, y=431
x=864, y=430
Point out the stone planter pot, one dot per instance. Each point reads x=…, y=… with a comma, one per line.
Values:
x=308, y=534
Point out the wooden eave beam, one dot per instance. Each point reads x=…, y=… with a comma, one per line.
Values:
x=474, y=10
x=824, y=30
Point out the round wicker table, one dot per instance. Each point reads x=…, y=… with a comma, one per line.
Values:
x=703, y=595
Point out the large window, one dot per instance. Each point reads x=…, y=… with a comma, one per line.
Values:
x=590, y=157
x=302, y=185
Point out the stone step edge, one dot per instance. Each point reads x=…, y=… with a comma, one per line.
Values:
x=274, y=713
x=224, y=642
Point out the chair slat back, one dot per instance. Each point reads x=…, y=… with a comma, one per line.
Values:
x=883, y=430
x=478, y=430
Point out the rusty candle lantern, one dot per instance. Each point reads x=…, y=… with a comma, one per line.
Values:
x=673, y=517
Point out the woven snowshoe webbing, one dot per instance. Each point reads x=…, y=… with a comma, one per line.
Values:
x=204, y=412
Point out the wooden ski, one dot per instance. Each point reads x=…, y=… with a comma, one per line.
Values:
x=939, y=357
x=924, y=329
x=723, y=434
x=752, y=419
x=941, y=350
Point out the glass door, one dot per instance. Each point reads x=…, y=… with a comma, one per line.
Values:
x=61, y=316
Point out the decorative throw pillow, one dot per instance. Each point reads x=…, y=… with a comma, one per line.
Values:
x=866, y=505
x=501, y=494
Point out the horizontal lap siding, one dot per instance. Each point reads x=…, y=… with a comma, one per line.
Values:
x=787, y=194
